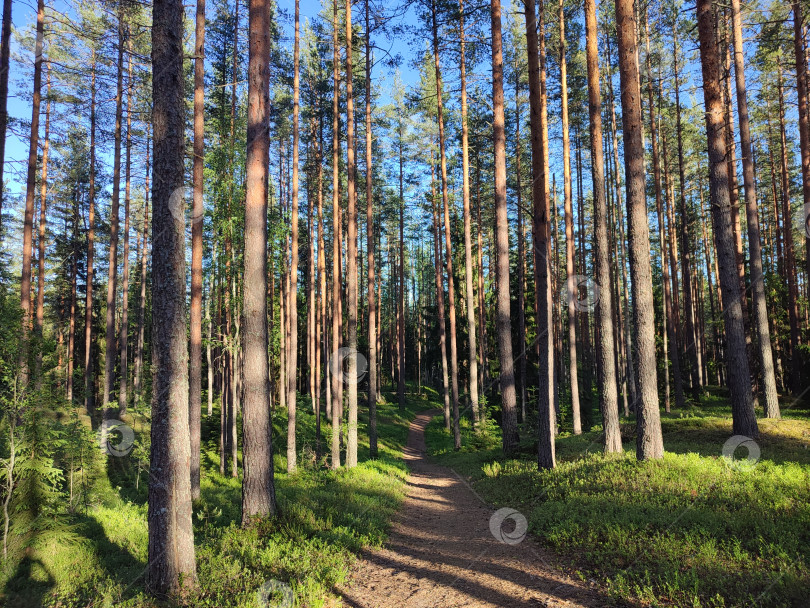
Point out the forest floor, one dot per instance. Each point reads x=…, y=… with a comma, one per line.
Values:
x=706, y=526
x=94, y=552
x=442, y=553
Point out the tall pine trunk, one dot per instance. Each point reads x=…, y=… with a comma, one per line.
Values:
x=739, y=381
x=570, y=271
x=752, y=218
x=171, y=565
x=110, y=349
x=351, y=250
x=472, y=356
x=451, y=292
x=334, y=362
x=89, y=383
x=258, y=489
x=292, y=296
x=608, y=395
x=650, y=442
x=197, y=218
x=30, y=190
x=123, y=335
x=503, y=321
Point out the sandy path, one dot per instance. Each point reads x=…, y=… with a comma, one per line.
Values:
x=442, y=554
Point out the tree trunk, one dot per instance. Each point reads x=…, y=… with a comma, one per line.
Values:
x=351, y=250
x=790, y=255
x=197, y=218
x=451, y=292
x=28, y=225
x=89, y=384
x=5, y=53
x=110, y=350
x=670, y=336
x=503, y=316
x=258, y=488
x=649, y=439
x=468, y=264
x=752, y=219
x=739, y=381
x=804, y=139
x=438, y=263
x=124, y=329
x=292, y=296
x=521, y=258
x=572, y=289
x=138, y=371
x=43, y=223
x=371, y=247
x=608, y=401
x=691, y=339
x=535, y=45
x=171, y=565
x=337, y=378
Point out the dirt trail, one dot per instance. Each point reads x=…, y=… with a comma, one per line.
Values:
x=442, y=554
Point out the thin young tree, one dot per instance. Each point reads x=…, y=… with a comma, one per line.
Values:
x=608, y=394
x=540, y=235
x=468, y=263
x=5, y=39
x=110, y=350
x=370, y=247
x=197, y=218
x=292, y=296
x=570, y=271
x=123, y=333
x=351, y=249
x=739, y=380
x=451, y=292
x=649, y=441
x=258, y=486
x=30, y=193
x=502, y=314
x=337, y=405
x=752, y=219
x=171, y=567
x=89, y=384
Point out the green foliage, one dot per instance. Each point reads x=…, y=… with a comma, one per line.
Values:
x=689, y=530
x=325, y=519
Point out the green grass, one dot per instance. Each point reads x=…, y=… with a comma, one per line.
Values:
x=325, y=519
x=692, y=529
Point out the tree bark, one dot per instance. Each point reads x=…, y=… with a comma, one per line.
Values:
x=171, y=566
x=5, y=53
x=503, y=316
x=572, y=289
x=30, y=189
x=649, y=443
x=337, y=378
x=752, y=219
x=351, y=250
x=292, y=296
x=739, y=381
x=438, y=263
x=535, y=45
x=468, y=264
x=89, y=384
x=138, y=371
x=197, y=218
x=691, y=340
x=258, y=489
x=608, y=401
x=110, y=350
x=804, y=141
x=43, y=223
x=670, y=336
x=451, y=292
x=124, y=329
